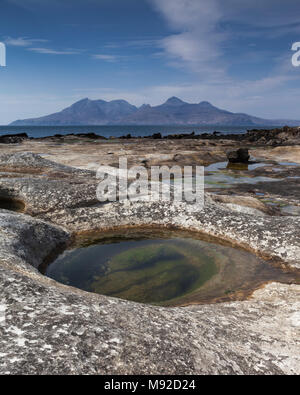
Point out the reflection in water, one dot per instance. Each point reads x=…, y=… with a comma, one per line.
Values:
x=225, y=174
x=237, y=166
x=161, y=267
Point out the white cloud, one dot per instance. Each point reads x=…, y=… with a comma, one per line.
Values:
x=203, y=29
x=47, y=51
x=187, y=14
x=22, y=41
x=198, y=42
x=106, y=58
x=27, y=43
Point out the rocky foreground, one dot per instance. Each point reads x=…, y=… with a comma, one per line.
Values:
x=49, y=328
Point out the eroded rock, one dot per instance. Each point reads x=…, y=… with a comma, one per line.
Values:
x=49, y=328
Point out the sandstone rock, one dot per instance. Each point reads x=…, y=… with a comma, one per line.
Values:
x=49, y=328
x=258, y=207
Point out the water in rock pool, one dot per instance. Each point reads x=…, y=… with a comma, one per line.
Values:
x=161, y=267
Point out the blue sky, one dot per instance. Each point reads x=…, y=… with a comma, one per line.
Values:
x=233, y=53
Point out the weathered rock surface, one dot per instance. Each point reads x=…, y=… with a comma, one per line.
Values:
x=282, y=154
x=71, y=202
x=28, y=162
x=244, y=204
x=48, y=328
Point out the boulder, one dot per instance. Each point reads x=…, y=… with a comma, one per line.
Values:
x=239, y=156
x=157, y=136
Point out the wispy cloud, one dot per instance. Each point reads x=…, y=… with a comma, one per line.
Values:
x=204, y=28
x=138, y=43
x=109, y=58
x=48, y=51
x=29, y=45
x=22, y=41
x=106, y=58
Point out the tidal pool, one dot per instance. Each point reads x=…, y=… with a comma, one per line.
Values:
x=160, y=267
x=235, y=166
x=225, y=175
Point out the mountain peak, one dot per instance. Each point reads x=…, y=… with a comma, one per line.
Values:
x=83, y=100
x=206, y=104
x=174, y=101
x=145, y=106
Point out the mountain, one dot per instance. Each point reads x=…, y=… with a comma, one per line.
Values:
x=84, y=112
x=177, y=112
x=173, y=112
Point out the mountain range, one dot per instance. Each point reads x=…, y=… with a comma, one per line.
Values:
x=173, y=112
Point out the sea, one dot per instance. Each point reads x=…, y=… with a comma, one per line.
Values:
x=118, y=131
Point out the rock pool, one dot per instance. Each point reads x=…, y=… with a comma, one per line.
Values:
x=161, y=267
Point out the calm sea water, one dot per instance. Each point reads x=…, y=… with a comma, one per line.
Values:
x=117, y=131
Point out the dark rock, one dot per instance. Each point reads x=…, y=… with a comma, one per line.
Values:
x=157, y=136
x=66, y=137
x=280, y=136
x=92, y=136
x=239, y=156
x=13, y=138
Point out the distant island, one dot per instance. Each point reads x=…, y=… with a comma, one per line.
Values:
x=173, y=112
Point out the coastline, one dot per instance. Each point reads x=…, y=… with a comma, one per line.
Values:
x=118, y=131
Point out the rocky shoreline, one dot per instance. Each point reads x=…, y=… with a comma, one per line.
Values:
x=273, y=137
x=49, y=328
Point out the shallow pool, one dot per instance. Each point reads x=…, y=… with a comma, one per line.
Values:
x=161, y=267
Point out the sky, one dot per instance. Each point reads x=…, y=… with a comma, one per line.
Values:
x=235, y=54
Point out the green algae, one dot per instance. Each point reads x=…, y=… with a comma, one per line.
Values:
x=154, y=273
